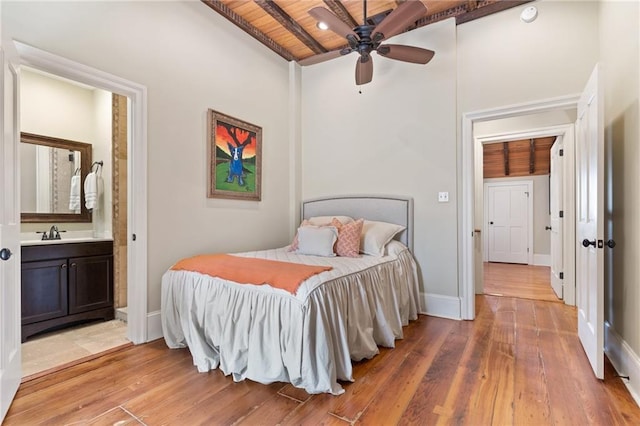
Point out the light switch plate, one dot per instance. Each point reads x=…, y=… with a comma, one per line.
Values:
x=443, y=197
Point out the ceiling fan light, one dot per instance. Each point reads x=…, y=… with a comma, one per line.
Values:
x=322, y=26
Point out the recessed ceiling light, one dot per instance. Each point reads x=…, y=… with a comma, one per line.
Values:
x=529, y=14
x=322, y=25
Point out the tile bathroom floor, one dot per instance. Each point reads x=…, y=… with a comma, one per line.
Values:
x=61, y=348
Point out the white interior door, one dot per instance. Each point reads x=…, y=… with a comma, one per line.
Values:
x=555, y=207
x=10, y=356
x=590, y=222
x=508, y=222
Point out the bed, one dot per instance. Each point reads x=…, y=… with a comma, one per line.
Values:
x=307, y=338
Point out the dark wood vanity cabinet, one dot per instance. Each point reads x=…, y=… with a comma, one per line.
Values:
x=65, y=284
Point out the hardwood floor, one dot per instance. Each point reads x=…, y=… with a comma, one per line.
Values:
x=520, y=362
x=513, y=280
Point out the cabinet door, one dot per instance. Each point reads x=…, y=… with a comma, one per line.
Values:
x=90, y=283
x=44, y=290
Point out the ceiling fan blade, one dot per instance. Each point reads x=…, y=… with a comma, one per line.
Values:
x=334, y=23
x=398, y=20
x=416, y=55
x=322, y=57
x=364, y=70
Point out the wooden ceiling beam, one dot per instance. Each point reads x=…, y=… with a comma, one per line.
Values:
x=341, y=12
x=532, y=156
x=471, y=5
x=505, y=153
x=290, y=25
x=238, y=20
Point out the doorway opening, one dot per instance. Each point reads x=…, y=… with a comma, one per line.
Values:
x=135, y=236
x=98, y=118
x=512, y=120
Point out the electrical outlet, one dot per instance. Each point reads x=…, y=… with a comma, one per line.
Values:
x=443, y=197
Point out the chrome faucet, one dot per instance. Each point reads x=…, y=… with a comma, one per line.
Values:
x=54, y=234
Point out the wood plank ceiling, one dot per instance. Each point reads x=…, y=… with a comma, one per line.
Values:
x=517, y=158
x=285, y=26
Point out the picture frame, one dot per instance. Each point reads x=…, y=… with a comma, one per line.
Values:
x=234, y=156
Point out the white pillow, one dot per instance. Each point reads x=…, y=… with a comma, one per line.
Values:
x=326, y=220
x=394, y=248
x=317, y=240
x=376, y=235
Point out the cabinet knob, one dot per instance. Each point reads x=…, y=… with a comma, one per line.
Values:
x=63, y=266
x=73, y=265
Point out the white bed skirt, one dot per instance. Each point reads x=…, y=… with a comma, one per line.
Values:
x=269, y=336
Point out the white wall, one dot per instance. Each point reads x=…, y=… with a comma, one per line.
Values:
x=620, y=50
x=190, y=59
x=504, y=61
x=396, y=137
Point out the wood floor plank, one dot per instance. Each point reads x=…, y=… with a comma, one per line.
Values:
x=531, y=398
x=396, y=392
x=426, y=404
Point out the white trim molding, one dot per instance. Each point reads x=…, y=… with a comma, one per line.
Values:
x=154, y=326
x=136, y=169
x=437, y=305
x=624, y=360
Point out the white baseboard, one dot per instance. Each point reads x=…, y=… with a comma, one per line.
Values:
x=441, y=306
x=542, y=259
x=154, y=326
x=624, y=360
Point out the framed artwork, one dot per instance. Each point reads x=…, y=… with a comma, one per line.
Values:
x=234, y=158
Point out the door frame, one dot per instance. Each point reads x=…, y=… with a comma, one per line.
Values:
x=485, y=227
x=137, y=327
x=470, y=164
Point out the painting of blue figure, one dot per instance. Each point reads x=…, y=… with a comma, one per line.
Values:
x=236, y=164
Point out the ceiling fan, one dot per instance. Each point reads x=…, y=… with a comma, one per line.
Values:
x=364, y=38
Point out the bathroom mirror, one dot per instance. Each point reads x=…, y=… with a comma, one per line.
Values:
x=52, y=173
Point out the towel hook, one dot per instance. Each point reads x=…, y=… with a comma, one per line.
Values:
x=98, y=163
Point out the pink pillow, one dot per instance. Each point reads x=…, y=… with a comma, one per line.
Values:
x=348, y=244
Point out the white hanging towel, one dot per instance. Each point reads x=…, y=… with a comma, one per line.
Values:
x=91, y=190
x=74, y=194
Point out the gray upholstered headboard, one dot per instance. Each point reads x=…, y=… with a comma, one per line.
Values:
x=384, y=208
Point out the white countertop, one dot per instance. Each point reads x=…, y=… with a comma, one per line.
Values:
x=35, y=239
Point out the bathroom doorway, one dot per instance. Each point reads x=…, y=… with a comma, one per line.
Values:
x=102, y=119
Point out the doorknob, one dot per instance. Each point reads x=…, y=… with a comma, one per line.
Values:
x=587, y=243
x=547, y=228
x=5, y=254
x=611, y=243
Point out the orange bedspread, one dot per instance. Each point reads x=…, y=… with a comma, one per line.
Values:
x=248, y=270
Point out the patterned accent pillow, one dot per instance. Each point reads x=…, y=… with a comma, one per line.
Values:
x=348, y=244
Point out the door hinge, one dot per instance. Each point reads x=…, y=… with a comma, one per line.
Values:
x=561, y=153
x=527, y=249
x=562, y=275
x=561, y=213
